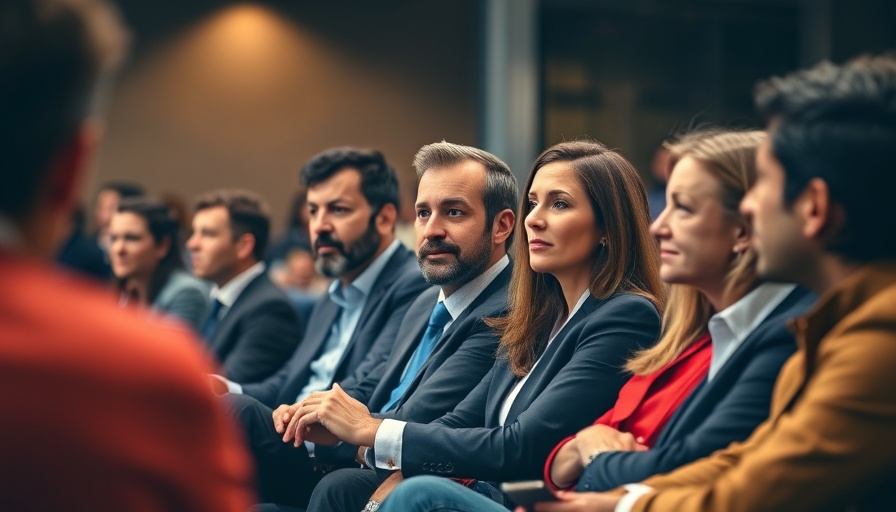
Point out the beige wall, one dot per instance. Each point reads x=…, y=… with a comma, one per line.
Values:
x=246, y=95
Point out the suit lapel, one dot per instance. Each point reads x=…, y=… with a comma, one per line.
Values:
x=409, y=341
x=498, y=284
x=221, y=335
x=392, y=271
x=316, y=334
x=534, y=384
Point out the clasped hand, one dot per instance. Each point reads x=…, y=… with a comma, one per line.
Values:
x=326, y=417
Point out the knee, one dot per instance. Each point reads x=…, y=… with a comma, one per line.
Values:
x=419, y=493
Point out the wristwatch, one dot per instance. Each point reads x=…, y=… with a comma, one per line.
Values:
x=371, y=506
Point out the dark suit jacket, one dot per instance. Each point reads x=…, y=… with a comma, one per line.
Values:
x=395, y=289
x=257, y=334
x=463, y=355
x=717, y=413
x=576, y=380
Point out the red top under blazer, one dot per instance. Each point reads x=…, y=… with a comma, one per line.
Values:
x=646, y=403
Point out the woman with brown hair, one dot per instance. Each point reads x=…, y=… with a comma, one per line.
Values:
x=147, y=263
x=584, y=296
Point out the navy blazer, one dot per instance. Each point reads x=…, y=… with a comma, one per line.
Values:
x=717, y=413
x=257, y=333
x=463, y=355
x=399, y=283
x=576, y=380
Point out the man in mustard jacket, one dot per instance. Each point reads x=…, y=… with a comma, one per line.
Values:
x=823, y=217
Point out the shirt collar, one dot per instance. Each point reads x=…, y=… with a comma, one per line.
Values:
x=731, y=326
x=231, y=291
x=466, y=294
x=362, y=285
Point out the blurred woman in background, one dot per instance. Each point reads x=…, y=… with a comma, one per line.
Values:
x=147, y=263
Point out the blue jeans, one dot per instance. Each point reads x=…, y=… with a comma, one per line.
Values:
x=434, y=493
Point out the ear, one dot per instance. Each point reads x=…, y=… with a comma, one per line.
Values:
x=70, y=165
x=162, y=248
x=502, y=227
x=385, y=219
x=743, y=233
x=813, y=207
x=245, y=244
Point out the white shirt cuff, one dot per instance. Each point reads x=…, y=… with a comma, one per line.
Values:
x=387, y=444
x=635, y=491
x=232, y=387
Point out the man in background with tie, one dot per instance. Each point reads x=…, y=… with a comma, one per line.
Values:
x=252, y=327
x=465, y=221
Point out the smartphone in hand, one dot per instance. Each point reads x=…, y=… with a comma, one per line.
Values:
x=527, y=493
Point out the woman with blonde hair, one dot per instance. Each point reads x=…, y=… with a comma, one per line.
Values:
x=724, y=336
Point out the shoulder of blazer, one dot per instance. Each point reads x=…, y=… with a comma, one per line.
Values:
x=619, y=302
x=261, y=294
x=178, y=281
x=402, y=264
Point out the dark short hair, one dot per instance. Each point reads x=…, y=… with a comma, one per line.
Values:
x=248, y=214
x=379, y=183
x=55, y=56
x=162, y=225
x=501, y=190
x=838, y=123
x=124, y=189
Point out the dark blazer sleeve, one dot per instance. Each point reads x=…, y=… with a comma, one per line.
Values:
x=269, y=333
x=734, y=418
x=590, y=357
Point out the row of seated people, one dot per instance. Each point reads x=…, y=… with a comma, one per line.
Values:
x=587, y=308
x=485, y=377
x=584, y=315
x=466, y=222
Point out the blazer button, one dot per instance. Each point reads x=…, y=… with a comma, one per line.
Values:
x=439, y=468
x=426, y=466
x=449, y=468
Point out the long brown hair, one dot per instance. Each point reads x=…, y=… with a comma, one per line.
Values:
x=731, y=158
x=628, y=263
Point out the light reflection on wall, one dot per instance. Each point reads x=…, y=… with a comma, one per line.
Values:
x=246, y=95
x=239, y=70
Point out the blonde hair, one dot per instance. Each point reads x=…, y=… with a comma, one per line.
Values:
x=730, y=156
x=629, y=262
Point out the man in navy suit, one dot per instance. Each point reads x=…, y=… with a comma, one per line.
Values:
x=251, y=327
x=352, y=197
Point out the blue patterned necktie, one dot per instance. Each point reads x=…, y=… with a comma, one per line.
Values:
x=212, y=321
x=437, y=321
